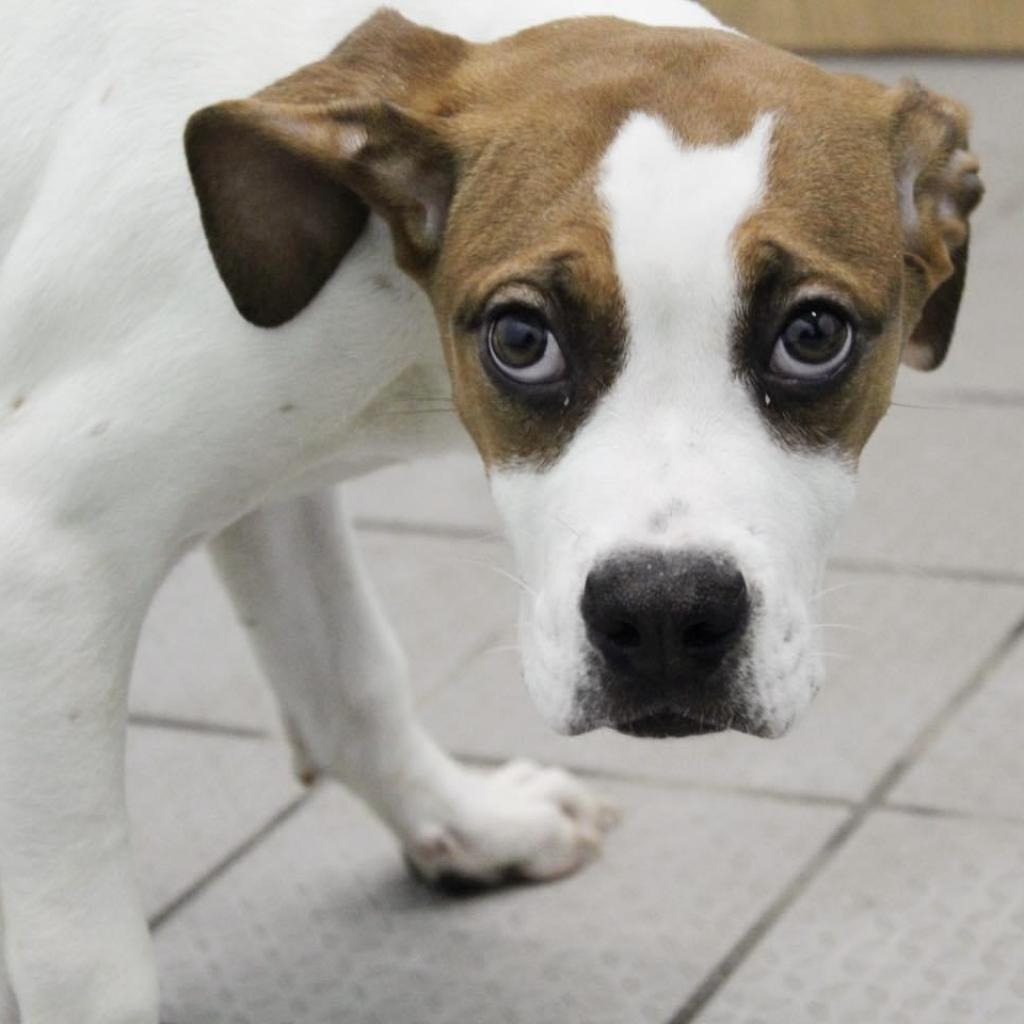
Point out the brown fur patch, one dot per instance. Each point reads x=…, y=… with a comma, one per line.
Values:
x=830, y=215
x=517, y=129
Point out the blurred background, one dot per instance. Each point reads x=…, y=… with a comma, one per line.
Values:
x=867, y=868
x=880, y=26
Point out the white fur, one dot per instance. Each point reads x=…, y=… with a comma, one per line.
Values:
x=676, y=455
x=140, y=415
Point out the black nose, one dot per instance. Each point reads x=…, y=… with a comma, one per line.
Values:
x=665, y=616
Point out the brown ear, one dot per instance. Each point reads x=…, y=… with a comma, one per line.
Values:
x=939, y=187
x=285, y=180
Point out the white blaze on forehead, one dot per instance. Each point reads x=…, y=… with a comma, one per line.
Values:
x=673, y=209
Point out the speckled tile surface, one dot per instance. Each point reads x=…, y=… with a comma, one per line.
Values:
x=321, y=923
x=448, y=491
x=976, y=765
x=893, y=667
x=942, y=488
x=917, y=921
x=194, y=661
x=193, y=798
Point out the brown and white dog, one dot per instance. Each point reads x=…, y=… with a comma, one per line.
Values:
x=667, y=274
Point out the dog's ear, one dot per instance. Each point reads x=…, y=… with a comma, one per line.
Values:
x=937, y=178
x=285, y=179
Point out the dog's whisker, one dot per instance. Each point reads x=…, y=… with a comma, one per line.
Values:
x=927, y=408
x=501, y=649
x=832, y=654
x=838, y=587
x=561, y=522
x=518, y=581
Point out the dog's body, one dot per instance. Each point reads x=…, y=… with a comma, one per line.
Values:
x=140, y=415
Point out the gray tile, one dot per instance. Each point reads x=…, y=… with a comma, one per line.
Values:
x=446, y=599
x=893, y=669
x=194, y=663
x=942, y=488
x=444, y=492
x=193, y=660
x=320, y=923
x=916, y=921
x=192, y=799
x=976, y=764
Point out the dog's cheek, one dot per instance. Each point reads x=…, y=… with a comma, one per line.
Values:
x=815, y=494
x=550, y=632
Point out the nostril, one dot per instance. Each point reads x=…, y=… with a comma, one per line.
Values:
x=623, y=634
x=719, y=616
x=706, y=634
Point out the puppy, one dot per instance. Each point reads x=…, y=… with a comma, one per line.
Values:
x=665, y=272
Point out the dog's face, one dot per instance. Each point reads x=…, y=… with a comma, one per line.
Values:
x=674, y=274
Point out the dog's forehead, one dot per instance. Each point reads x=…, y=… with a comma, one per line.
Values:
x=534, y=115
x=639, y=152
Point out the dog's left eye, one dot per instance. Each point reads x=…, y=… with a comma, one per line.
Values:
x=813, y=345
x=524, y=348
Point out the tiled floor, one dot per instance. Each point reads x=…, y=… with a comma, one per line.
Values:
x=868, y=869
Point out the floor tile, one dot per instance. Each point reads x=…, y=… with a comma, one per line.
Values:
x=444, y=597
x=944, y=489
x=321, y=923
x=442, y=492
x=193, y=660
x=893, y=669
x=192, y=799
x=916, y=921
x=976, y=764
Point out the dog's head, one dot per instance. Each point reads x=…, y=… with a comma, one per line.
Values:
x=674, y=272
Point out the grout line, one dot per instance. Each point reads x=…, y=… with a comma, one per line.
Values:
x=229, y=860
x=944, y=715
x=730, y=963
x=954, y=813
x=882, y=566
x=657, y=782
x=974, y=398
x=951, y=573
x=375, y=524
x=197, y=725
x=803, y=798
x=719, y=975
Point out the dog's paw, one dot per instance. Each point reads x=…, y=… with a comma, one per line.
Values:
x=521, y=822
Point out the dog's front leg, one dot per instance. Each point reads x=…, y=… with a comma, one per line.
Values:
x=340, y=679
x=75, y=937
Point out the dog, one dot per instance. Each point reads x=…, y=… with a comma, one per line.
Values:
x=666, y=274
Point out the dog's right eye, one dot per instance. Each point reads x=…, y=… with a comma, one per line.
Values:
x=522, y=347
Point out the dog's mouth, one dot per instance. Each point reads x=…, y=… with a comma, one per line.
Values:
x=666, y=724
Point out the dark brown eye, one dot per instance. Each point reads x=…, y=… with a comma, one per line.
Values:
x=813, y=345
x=524, y=348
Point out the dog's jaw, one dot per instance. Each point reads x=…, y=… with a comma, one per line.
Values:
x=676, y=454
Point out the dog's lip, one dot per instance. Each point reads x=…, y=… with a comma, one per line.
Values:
x=667, y=723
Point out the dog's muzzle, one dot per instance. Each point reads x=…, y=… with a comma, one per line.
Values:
x=667, y=632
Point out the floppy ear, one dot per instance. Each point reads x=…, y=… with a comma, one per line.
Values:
x=285, y=180
x=939, y=187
